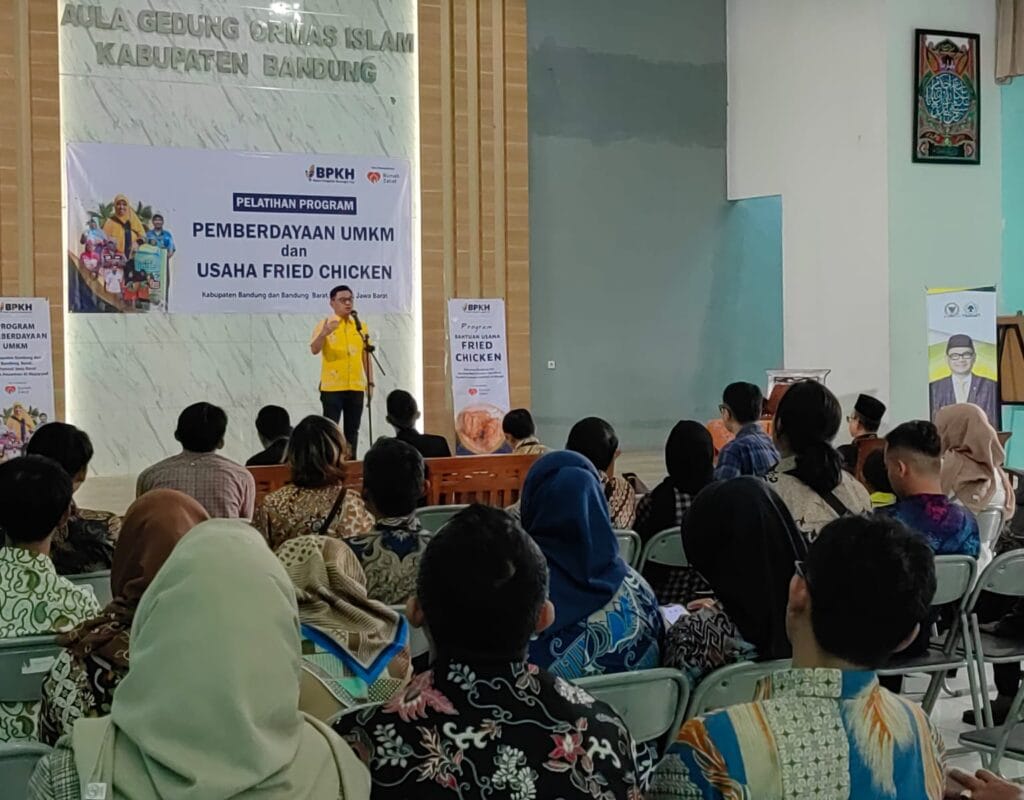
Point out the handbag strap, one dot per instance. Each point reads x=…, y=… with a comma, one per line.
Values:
x=828, y=496
x=333, y=513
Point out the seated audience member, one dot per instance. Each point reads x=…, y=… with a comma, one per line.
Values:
x=94, y=661
x=913, y=457
x=222, y=487
x=393, y=483
x=595, y=439
x=689, y=460
x=359, y=647
x=863, y=425
x=740, y=536
x=481, y=595
x=825, y=727
x=210, y=706
x=85, y=543
x=876, y=480
x=606, y=616
x=274, y=427
x=315, y=503
x=752, y=451
x=810, y=479
x=521, y=433
x=35, y=499
x=403, y=414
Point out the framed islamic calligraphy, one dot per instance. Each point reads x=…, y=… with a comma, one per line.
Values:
x=947, y=98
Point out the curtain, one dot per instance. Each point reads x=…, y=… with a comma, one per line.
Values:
x=1009, y=40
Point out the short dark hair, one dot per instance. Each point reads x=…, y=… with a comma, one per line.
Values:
x=156, y=216
x=393, y=474
x=201, y=427
x=919, y=437
x=341, y=288
x=35, y=493
x=273, y=422
x=864, y=622
x=518, y=423
x=876, y=476
x=594, y=438
x=64, y=443
x=402, y=409
x=316, y=451
x=481, y=585
x=870, y=425
x=744, y=400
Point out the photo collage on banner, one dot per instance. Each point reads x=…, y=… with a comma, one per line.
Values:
x=962, y=363
x=479, y=374
x=206, y=231
x=26, y=371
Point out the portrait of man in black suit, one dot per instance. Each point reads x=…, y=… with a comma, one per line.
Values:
x=964, y=386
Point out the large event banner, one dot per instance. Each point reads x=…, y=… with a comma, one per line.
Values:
x=26, y=371
x=214, y=231
x=479, y=356
x=962, y=362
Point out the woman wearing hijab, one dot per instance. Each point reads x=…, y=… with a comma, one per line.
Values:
x=606, y=616
x=690, y=462
x=95, y=659
x=359, y=648
x=740, y=536
x=209, y=709
x=124, y=228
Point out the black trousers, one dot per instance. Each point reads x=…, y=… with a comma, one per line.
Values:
x=349, y=404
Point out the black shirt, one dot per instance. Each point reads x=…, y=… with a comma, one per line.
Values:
x=430, y=446
x=271, y=456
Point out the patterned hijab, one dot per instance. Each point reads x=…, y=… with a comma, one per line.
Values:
x=566, y=514
x=210, y=707
x=154, y=524
x=367, y=636
x=972, y=457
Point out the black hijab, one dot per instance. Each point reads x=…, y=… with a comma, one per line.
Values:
x=689, y=460
x=741, y=537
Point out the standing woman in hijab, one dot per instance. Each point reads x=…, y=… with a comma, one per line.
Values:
x=95, y=659
x=124, y=228
x=740, y=536
x=690, y=462
x=210, y=708
x=606, y=616
x=357, y=647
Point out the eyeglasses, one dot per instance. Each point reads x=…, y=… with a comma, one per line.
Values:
x=960, y=356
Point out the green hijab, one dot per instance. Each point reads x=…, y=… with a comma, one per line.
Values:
x=209, y=708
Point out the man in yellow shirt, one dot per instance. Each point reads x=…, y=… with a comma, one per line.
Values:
x=345, y=373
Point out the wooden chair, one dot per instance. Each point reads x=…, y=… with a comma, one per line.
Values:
x=490, y=480
x=270, y=479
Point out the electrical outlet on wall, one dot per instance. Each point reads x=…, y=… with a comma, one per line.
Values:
x=551, y=365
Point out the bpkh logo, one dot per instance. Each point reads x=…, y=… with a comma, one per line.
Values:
x=321, y=174
x=478, y=308
x=18, y=308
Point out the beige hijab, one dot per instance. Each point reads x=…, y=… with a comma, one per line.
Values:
x=972, y=458
x=209, y=709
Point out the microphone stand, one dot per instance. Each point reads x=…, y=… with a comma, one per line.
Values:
x=371, y=350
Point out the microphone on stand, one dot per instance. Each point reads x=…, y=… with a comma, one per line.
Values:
x=359, y=329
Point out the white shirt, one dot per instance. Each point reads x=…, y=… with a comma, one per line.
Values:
x=962, y=387
x=112, y=282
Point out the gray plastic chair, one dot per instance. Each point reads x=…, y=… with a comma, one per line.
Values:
x=99, y=581
x=731, y=685
x=629, y=546
x=954, y=578
x=652, y=702
x=664, y=548
x=17, y=762
x=24, y=662
x=433, y=518
x=990, y=523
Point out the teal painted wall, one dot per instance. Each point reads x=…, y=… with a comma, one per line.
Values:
x=649, y=290
x=1011, y=294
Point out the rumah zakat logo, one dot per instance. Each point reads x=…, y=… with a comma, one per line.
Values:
x=384, y=176
x=373, y=176
x=10, y=389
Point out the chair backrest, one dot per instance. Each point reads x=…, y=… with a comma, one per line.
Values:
x=630, y=546
x=24, y=662
x=17, y=762
x=99, y=581
x=954, y=578
x=866, y=447
x=270, y=479
x=1005, y=575
x=990, y=522
x=665, y=548
x=490, y=480
x=433, y=517
x=651, y=702
x=731, y=685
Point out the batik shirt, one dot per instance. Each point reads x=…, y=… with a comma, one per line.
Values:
x=815, y=733
x=390, y=555
x=505, y=731
x=34, y=599
x=949, y=528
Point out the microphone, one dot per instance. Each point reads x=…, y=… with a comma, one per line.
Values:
x=359, y=329
x=359, y=325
